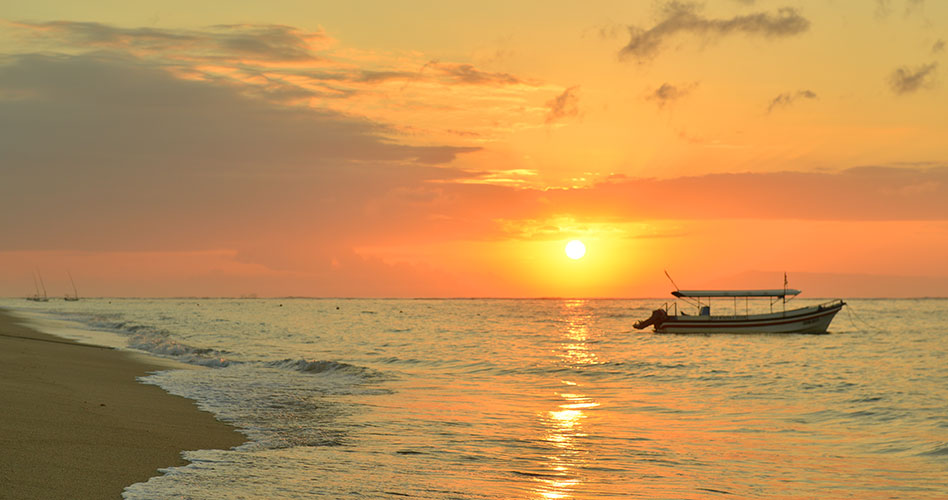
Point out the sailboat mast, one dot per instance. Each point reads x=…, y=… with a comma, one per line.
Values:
x=75, y=293
x=41, y=283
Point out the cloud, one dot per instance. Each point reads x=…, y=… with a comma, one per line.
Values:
x=906, y=80
x=938, y=47
x=564, y=105
x=293, y=67
x=668, y=93
x=472, y=212
x=276, y=49
x=469, y=75
x=788, y=98
x=912, y=5
x=117, y=154
x=682, y=18
x=607, y=31
x=258, y=42
x=884, y=7
x=369, y=76
x=862, y=193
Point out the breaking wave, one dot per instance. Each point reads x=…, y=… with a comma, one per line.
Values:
x=168, y=347
x=323, y=366
x=160, y=342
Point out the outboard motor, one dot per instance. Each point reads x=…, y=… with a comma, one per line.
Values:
x=657, y=318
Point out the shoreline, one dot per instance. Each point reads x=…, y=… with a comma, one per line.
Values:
x=76, y=423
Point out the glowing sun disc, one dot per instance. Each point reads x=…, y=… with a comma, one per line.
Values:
x=575, y=249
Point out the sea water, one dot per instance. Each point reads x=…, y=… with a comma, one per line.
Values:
x=539, y=399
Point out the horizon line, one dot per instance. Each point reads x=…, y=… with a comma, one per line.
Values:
x=327, y=297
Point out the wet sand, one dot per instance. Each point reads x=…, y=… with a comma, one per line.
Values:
x=75, y=423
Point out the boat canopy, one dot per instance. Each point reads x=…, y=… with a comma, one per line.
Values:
x=736, y=293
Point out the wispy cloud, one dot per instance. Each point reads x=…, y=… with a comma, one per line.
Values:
x=668, y=93
x=685, y=18
x=259, y=42
x=938, y=47
x=862, y=193
x=469, y=75
x=788, y=98
x=564, y=105
x=906, y=80
x=884, y=8
x=911, y=5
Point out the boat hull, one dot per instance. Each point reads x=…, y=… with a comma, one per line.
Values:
x=812, y=319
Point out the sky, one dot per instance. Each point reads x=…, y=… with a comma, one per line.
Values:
x=452, y=149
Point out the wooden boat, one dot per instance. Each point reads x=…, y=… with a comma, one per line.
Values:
x=808, y=319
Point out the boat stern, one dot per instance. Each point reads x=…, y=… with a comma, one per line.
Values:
x=657, y=318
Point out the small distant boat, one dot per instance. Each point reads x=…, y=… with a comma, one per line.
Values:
x=36, y=297
x=809, y=319
x=75, y=293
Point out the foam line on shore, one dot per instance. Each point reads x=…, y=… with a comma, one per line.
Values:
x=76, y=423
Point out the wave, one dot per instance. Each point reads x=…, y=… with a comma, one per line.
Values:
x=938, y=451
x=160, y=342
x=323, y=366
x=168, y=347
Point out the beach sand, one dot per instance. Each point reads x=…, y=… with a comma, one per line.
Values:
x=74, y=422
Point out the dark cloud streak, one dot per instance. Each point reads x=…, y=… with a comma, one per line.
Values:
x=938, y=47
x=682, y=17
x=788, y=98
x=564, y=105
x=668, y=93
x=468, y=74
x=906, y=80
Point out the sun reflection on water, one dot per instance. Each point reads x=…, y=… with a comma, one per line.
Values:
x=565, y=424
x=577, y=317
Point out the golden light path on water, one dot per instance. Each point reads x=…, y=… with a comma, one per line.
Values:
x=565, y=424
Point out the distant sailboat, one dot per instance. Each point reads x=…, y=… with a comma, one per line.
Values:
x=75, y=293
x=37, y=297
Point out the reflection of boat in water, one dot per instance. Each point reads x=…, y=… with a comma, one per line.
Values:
x=36, y=297
x=75, y=293
x=809, y=319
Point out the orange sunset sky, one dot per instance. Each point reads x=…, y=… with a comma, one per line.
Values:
x=432, y=148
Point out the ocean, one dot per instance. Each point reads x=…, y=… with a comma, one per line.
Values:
x=537, y=399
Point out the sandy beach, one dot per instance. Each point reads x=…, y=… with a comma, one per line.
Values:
x=75, y=423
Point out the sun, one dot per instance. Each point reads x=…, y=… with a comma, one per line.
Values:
x=575, y=249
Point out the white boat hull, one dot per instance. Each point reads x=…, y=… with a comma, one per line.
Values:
x=812, y=319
